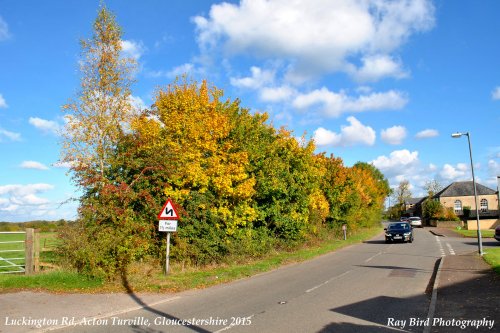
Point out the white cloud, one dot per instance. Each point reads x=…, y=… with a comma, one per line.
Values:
x=258, y=79
x=23, y=190
x=354, y=134
x=378, y=66
x=495, y=94
x=315, y=36
x=394, y=135
x=4, y=30
x=62, y=165
x=22, y=198
x=33, y=165
x=3, y=103
x=47, y=126
x=334, y=104
x=452, y=173
x=137, y=103
x=132, y=49
x=186, y=68
x=427, y=133
x=399, y=162
x=276, y=94
x=9, y=135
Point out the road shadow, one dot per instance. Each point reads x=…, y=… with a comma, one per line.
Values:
x=145, y=306
x=354, y=328
x=375, y=241
x=486, y=242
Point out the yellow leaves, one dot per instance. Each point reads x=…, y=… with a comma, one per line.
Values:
x=318, y=203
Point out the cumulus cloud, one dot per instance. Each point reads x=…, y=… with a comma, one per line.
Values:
x=495, y=94
x=46, y=126
x=4, y=29
x=394, y=135
x=259, y=78
x=12, y=136
x=334, y=104
x=137, y=102
x=354, y=134
x=427, y=133
x=132, y=49
x=454, y=173
x=399, y=162
x=317, y=41
x=33, y=165
x=3, y=103
x=276, y=94
x=378, y=66
x=22, y=195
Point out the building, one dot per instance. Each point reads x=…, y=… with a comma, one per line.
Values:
x=460, y=197
x=413, y=206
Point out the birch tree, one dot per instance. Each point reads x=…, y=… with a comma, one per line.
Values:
x=102, y=109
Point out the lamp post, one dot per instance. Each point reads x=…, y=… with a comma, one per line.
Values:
x=479, y=238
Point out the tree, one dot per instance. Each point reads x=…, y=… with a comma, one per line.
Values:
x=401, y=194
x=108, y=235
x=432, y=187
x=97, y=119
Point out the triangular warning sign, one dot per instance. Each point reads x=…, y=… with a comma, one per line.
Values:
x=168, y=211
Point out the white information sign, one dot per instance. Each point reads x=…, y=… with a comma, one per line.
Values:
x=167, y=225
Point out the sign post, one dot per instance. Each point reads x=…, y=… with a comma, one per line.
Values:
x=167, y=222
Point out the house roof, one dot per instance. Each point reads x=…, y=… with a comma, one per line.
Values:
x=414, y=201
x=464, y=189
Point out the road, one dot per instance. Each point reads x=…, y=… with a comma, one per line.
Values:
x=368, y=287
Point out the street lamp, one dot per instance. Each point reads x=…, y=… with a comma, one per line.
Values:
x=479, y=238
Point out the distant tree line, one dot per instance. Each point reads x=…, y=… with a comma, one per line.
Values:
x=43, y=226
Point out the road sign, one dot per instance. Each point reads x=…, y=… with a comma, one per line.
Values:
x=167, y=225
x=168, y=211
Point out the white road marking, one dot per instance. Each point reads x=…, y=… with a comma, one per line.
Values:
x=452, y=252
x=376, y=255
x=441, y=249
x=328, y=281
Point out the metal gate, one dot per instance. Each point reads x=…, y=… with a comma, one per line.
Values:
x=12, y=252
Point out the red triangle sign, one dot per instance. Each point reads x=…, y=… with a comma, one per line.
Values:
x=168, y=211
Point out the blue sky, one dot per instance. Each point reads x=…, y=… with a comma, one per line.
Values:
x=380, y=81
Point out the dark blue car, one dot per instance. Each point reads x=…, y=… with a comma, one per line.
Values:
x=399, y=232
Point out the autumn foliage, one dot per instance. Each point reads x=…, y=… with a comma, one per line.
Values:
x=242, y=186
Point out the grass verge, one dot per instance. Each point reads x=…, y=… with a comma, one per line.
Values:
x=473, y=233
x=492, y=257
x=151, y=279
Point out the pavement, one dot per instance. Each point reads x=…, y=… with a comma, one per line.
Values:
x=466, y=293
x=466, y=288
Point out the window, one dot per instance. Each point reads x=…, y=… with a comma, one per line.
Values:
x=458, y=207
x=484, y=205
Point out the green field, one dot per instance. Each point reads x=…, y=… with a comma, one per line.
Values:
x=12, y=250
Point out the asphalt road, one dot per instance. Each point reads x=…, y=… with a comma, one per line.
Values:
x=368, y=287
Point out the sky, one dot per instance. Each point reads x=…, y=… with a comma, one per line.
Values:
x=379, y=81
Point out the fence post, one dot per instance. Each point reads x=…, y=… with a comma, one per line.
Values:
x=29, y=251
x=36, y=251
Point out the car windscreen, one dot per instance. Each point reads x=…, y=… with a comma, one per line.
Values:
x=399, y=226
